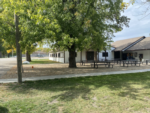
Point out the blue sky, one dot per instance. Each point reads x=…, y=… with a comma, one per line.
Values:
x=139, y=24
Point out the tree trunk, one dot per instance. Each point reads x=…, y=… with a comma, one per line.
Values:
x=28, y=57
x=95, y=55
x=21, y=63
x=72, y=57
x=19, y=58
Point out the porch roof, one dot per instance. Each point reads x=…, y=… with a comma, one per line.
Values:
x=126, y=44
x=142, y=45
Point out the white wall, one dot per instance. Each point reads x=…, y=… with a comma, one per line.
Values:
x=110, y=55
x=60, y=59
x=66, y=56
x=78, y=58
x=57, y=59
x=146, y=54
x=83, y=55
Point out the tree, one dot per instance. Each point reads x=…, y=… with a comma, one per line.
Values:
x=10, y=30
x=75, y=25
x=19, y=54
x=72, y=25
x=9, y=47
x=7, y=27
x=2, y=49
x=28, y=51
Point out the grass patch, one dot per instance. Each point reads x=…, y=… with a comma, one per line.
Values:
x=126, y=93
x=42, y=61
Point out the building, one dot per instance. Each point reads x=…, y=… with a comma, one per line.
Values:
x=133, y=48
x=108, y=53
x=63, y=56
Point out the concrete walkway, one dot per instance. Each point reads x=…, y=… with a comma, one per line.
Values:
x=72, y=75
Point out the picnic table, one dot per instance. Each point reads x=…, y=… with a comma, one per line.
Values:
x=86, y=61
x=116, y=61
x=127, y=62
x=98, y=63
x=146, y=61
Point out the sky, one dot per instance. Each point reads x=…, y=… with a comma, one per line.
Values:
x=139, y=24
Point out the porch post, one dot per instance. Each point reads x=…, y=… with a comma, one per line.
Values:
x=95, y=55
x=81, y=56
x=98, y=54
x=86, y=55
x=64, y=56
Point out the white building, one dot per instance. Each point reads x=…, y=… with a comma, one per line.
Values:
x=109, y=54
x=133, y=48
x=63, y=56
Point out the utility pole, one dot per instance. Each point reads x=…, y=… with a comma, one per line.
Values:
x=19, y=56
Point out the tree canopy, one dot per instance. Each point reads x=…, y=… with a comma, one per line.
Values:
x=72, y=25
x=7, y=28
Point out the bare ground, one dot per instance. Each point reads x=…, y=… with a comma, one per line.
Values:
x=62, y=69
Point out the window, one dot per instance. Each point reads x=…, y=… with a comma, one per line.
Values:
x=105, y=54
x=53, y=55
x=58, y=54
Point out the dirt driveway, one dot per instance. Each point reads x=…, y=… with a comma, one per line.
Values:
x=6, y=64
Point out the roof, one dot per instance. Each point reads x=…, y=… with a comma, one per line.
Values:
x=144, y=44
x=122, y=44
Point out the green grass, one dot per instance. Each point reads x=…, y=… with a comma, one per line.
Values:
x=42, y=61
x=126, y=93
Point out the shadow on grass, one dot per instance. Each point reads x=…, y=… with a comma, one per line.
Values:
x=3, y=110
x=126, y=85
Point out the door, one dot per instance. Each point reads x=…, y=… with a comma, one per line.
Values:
x=124, y=56
x=117, y=54
x=90, y=55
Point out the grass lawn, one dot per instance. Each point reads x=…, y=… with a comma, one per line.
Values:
x=42, y=61
x=126, y=93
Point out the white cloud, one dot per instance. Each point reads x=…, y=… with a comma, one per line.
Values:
x=139, y=24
